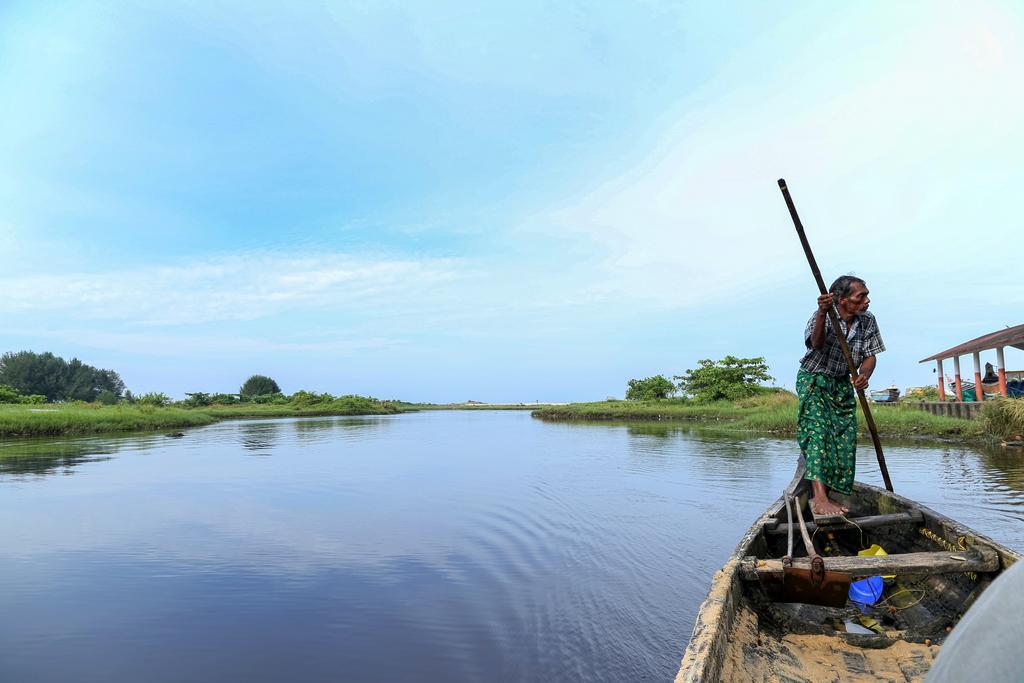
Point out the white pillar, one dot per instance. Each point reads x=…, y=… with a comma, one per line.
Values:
x=1001, y=365
x=956, y=379
x=942, y=380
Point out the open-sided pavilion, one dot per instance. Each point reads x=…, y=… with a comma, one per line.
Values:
x=998, y=340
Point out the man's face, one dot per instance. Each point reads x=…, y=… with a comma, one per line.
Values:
x=857, y=301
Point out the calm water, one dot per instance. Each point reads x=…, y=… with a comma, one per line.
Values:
x=440, y=546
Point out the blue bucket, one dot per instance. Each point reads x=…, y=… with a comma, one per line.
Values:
x=867, y=591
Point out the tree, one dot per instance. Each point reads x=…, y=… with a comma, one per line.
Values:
x=59, y=380
x=258, y=385
x=649, y=388
x=106, y=397
x=34, y=373
x=730, y=378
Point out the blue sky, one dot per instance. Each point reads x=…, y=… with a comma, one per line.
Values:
x=448, y=201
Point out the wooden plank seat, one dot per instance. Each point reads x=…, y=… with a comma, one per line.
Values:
x=978, y=559
x=826, y=520
x=873, y=521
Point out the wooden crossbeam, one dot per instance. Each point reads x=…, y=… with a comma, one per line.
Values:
x=977, y=559
x=872, y=521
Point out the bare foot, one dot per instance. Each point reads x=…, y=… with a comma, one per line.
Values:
x=823, y=505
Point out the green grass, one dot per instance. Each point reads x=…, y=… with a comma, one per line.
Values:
x=87, y=418
x=768, y=413
x=1004, y=417
x=52, y=420
x=467, y=406
x=343, y=405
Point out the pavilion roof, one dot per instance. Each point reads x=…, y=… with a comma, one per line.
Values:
x=1011, y=336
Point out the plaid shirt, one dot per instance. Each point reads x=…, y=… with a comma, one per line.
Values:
x=863, y=339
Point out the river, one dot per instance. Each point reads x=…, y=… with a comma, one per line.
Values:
x=433, y=546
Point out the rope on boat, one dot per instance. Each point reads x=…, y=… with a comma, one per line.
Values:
x=922, y=591
x=862, y=546
x=961, y=544
x=893, y=608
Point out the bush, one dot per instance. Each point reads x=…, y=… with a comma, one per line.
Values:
x=1004, y=416
x=272, y=399
x=768, y=398
x=922, y=394
x=303, y=399
x=154, y=398
x=649, y=388
x=11, y=395
x=197, y=399
x=729, y=379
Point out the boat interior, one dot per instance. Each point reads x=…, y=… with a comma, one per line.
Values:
x=928, y=570
x=927, y=576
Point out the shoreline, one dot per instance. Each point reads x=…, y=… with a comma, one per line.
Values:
x=776, y=416
x=772, y=414
x=56, y=420
x=48, y=420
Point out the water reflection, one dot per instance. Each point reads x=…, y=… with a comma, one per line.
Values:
x=44, y=464
x=1007, y=467
x=259, y=437
x=40, y=457
x=311, y=430
x=317, y=429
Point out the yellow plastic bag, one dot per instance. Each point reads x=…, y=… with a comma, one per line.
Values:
x=876, y=549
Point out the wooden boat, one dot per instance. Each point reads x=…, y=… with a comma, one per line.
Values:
x=890, y=395
x=939, y=567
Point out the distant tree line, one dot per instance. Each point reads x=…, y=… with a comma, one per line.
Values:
x=729, y=379
x=29, y=377
x=44, y=374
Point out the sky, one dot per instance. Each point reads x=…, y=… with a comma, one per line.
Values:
x=531, y=201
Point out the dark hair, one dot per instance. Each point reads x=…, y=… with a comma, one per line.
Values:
x=843, y=284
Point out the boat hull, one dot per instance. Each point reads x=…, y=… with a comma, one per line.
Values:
x=741, y=635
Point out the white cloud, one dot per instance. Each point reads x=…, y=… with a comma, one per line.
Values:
x=883, y=143
x=213, y=344
x=232, y=288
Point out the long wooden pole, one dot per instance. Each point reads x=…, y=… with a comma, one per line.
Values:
x=839, y=333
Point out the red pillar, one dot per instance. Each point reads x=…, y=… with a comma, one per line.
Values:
x=978, y=391
x=942, y=380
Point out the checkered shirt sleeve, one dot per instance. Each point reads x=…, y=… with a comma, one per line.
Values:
x=865, y=341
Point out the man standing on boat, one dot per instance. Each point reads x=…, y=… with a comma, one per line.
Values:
x=827, y=421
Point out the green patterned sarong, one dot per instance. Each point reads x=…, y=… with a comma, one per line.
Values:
x=826, y=429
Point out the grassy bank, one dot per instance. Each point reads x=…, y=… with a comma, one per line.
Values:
x=344, y=405
x=773, y=413
x=70, y=419
x=1004, y=417
x=53, y=420
x=471, y=406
